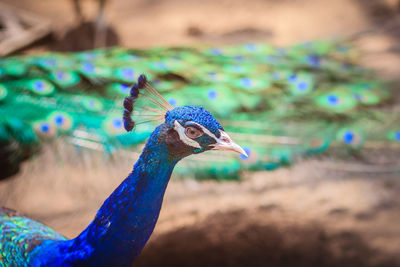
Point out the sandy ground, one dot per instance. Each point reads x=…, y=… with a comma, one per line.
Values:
x=320, y=212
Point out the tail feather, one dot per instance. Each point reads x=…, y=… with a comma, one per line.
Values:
x=280, y=103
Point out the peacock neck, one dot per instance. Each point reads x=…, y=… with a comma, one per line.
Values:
x=127, y=218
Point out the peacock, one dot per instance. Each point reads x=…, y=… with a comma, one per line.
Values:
x=281, y=103
x=127, y=218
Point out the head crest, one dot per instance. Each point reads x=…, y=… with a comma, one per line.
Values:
x=142, y=87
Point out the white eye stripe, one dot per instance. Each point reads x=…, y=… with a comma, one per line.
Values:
x=206, y=131
x=190, y=142
x=181, y=131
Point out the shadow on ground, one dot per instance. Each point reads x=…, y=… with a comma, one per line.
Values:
x=230, y=239
x=82, y=37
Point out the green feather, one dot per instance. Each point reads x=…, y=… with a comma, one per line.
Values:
x=280, y=103
x=13, y=67
x=252, y=84
x=45, y=129
x=118, y=89
x=127, y=74
x=394, y=135
x=3, y=92
x=353, y=138
x=65, y=78
x=302, y=84
x=92, y=104
x=113, y=125
x=61, y=120
x=336, y=101
x=40, y=87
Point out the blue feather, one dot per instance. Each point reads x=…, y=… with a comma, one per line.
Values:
x=127, y=218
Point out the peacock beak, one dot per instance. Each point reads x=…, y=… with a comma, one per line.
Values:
x=226, y=143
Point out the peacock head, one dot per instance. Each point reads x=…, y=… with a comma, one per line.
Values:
x=198, y=130
x=186, y=129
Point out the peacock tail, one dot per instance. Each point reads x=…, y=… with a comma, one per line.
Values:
x=19, y=236
x=282, y=104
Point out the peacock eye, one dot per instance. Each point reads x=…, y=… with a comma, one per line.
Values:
x=193, y=132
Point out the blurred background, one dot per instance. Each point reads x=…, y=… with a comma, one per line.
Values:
x=336, y=208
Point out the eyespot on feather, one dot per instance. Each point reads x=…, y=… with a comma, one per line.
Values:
x=351, y=137
x=3, y=92
x=45, y=129
x=92, y=104
x=41, y=87
x=113, y=125
x=61, y=120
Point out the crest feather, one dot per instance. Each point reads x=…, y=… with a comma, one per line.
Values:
x=155, y=109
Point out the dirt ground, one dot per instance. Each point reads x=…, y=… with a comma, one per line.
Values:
x=320, y=212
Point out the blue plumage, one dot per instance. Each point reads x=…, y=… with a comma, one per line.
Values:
x=127, y=218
